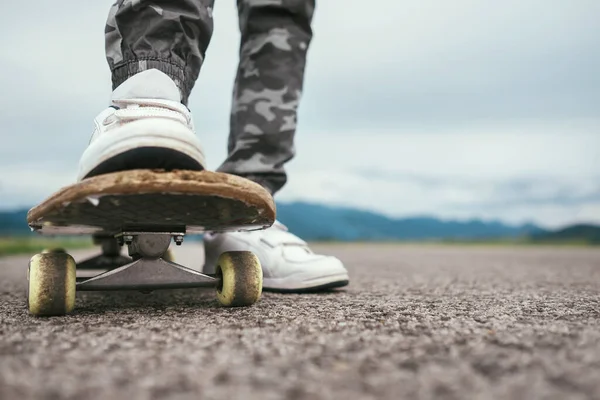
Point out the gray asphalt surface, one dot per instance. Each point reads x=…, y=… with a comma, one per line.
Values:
x=417, y=322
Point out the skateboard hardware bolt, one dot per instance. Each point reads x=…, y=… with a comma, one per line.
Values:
x=128, y=239
x=178, y=240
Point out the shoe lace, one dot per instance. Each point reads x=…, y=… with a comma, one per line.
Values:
x=139, y=109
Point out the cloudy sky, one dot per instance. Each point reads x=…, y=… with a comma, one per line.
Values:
x=457, y=109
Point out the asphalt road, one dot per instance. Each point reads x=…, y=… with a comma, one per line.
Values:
x=418, y=322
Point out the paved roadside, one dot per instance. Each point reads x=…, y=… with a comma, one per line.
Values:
x=417, y=322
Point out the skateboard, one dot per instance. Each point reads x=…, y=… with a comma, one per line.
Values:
x=146, y=211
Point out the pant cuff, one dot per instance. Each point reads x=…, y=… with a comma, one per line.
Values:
x=125, y=71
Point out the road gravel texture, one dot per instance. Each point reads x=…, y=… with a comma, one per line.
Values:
x=416, y=322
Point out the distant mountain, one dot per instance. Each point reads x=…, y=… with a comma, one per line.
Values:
x=13, y=222
x=319, y=222
x=583, y=233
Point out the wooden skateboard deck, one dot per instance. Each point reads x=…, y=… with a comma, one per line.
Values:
x=153, y=200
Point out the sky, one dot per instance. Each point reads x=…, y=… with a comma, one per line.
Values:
x=462, y=109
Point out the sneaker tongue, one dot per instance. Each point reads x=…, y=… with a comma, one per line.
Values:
x=149, y=84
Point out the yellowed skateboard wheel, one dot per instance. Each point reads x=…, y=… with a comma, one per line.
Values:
x=241, y=278
x=54, y=250
x=51, y=286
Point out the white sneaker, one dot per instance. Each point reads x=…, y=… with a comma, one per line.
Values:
x=287, y=262
x=146, y=126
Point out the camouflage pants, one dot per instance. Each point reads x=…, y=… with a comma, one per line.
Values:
x=173, y=35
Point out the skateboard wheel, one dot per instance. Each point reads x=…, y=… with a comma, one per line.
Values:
x=54, y=250
x=241, y=278
x=51, y=286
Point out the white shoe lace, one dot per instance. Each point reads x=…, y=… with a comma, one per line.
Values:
x=150, y=108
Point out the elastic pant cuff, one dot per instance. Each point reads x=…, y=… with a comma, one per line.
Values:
x=125, y=71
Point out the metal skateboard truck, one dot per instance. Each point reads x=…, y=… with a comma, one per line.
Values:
x=149, y=270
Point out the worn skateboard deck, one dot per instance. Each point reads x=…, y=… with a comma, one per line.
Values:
x=152, y=200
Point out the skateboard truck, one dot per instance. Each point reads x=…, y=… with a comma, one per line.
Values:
x=149, y=270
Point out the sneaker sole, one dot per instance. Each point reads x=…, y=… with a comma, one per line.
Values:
x=320, y=288
x=146, y=158
x=317, y=284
